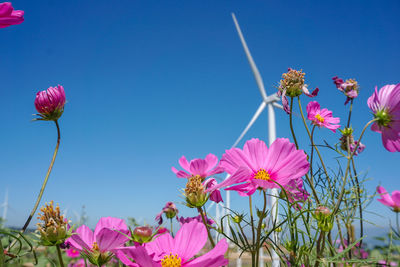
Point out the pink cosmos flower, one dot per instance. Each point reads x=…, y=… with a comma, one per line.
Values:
x=321, y=117
x=9, y=16
x=349, y=87
x=98, y=246
x=179, y=251
x=387, y=200
x=72, y=253
x=202, y=167
x=50, y=103
x=385, y=105
x=296, y=192
x=259, y=166
x=170, y=210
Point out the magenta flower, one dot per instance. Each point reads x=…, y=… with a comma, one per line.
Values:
x=296, y=193
x=80, y=263
x=170, y=210
x=349, y=87
x=9, y=16
x=179, y=251
x=257, y=166
x=321, y=117
x=72, y=253
x=50, y=103
x=215, y=195
x=387, y=200
x=385, y=105
x=183, y=220
x=201, y=167
x=97, y=247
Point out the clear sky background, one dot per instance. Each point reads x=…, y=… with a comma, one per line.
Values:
x=150, y=81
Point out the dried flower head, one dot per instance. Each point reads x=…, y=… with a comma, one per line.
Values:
x=54, y=227
x=195, y=192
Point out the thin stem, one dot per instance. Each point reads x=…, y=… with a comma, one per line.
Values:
x=172, y=230
x=348, y=167
x=60, y=256
x=291, y=123
x=43, y=185
x=397, y=222
x=312, y=154
x=200, y=210
x=350, y=110
x=258, y=245
x=253, y=254
x=359, y=198
x=2, y=256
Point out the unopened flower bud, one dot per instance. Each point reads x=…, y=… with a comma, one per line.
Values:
x=237, y=218
x=195, y=193
x=50, y=103
x=323, y=216
x=142, y=234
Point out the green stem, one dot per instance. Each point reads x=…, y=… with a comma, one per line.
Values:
x=60, y=256
x=200, y=210
x=359, y=199
x=258, y=245
x=291, y=123
x=172, y=230
x=253, y=253
x=312, y=154
x=348, y=167
x=43, y=185
x=2, y=257
x=350, y=110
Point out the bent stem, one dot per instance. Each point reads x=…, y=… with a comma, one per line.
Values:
x=60, y=256
x=200, y=210
x=43, y=185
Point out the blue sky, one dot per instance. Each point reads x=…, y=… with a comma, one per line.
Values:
x=149, y=81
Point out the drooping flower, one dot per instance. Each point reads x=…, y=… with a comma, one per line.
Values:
x=292, y=85
x=321, y=117
x=198, y=167
x=385, y=106
x=53, y=229
x=183, y=220
x=97, y=246
x=387, y=200
x=170, y=210
x=257, y=166
x=50, y=103
x=9, y=16
x=349, y=87
x=167, y=251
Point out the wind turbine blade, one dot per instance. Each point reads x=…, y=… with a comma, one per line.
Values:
x=253, y=66
x=277, y=105
x=255, y=116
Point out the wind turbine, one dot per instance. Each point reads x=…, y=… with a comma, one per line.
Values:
x=270, y=103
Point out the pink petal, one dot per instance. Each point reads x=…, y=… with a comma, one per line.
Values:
x=111, y=223
x=184, y=163
x=198, y=167
x=180, y=174
x=233, y=159
x=211, y=161
x=190, y=239
x=108, y=239
x=213, y=258
x=83, y=239
x=257, y=152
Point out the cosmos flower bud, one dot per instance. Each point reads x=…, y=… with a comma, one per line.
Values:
x=323, y=216
x=142, y=234
x=238, y=218
x=54, y=228
x=347, y=133
x=50, y=103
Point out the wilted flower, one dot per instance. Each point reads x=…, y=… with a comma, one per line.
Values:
x=385, y=105
x=97, y=247
x=321, y=117
x=296, y=193
x=179, y=251
x=347, y=133
x=292, y=85
x=387, y=200
x=9, y=16
x=50, y=103
x=170, y=210
x=257, y=166
x=198, y=167
x=349, y=87
x=54, y=228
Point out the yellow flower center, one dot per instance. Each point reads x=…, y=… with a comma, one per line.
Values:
x=262, y=175
x=171, y=261
x=95, y=246
x=319, y=118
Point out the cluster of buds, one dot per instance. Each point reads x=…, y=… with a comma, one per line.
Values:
x=347, y=142
x=54, y=227
x=323, y=216
x=195, y=193
x=350, y=87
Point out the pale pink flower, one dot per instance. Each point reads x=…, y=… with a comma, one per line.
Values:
x=50, y=103
x=385, y=105
x=97, y=246
x=387, y=200
x=257, y=166
x=321, y=117
x=201, y=167
x=179, y=251
x=9, y=16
